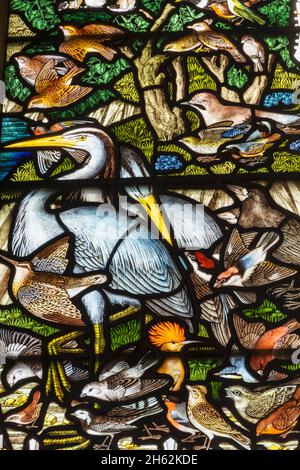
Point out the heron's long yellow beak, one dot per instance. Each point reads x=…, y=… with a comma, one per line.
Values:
x=45, y=141
x=153, y=210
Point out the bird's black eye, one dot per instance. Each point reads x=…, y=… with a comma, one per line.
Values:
x=193, y=257
x=250, y=193
x=237, y=393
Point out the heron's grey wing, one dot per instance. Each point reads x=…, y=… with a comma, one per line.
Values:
x=235, y=249
x=97, y=231
x=14, y=344
x=193, y=226
x=49, y=303
x=248, y=333
x=143, y=266
x=47, y=158
x=53, y=258
x=177, y=303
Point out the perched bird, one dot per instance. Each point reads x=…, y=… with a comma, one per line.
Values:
x=219, y=7
x=17, y=344
x=216, y=41
x=41, y=70
x=118, y=381
x=204, y=417
x=266, y=345
x=255, y=51
x=283, y=419
x=29, y=414
x=177, y=416
x=41, y=287
x=118, y=419
x=59, y=92
x=237, y=368
x=211, y=139
x=170, y=337
x=236, y=7
x=203, y=35
x=89, y=39
x=89, y=146
x=213, y=112
x=255, y=145
x=254, y=405
x=248, y=267
x=258, y=209
x=32, y=370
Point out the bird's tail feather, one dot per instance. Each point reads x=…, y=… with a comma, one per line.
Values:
x=292, y=325
x=237, y=55
x=241, y=439
x=147, y=361
x=257, y=18
x=267, y=240
x=141, y=409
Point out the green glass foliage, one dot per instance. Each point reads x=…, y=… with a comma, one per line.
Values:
x=13, y=316
x=101, y=73
x=153, y=5
x=281, y=44
x=136, y=133
x=184, y=15
x=266, y=311
x=200, y=368
x=277, y=12
x=285, y=162
x=14, y=86
x=41, y=15
x=236, y=77
x=125, y=333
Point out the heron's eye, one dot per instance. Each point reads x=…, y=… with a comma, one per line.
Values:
x=82, y=138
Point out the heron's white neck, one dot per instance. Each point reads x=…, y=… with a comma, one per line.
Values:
x=94, y=164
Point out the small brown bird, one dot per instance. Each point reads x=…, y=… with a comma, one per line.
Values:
x=255, y=51
x=42, y=70
x=283, y=419
x=59, y=92
x=29, y=415
x=255, y=404
x=208, y=420
x=170, y=337
x=41, y=287
x=90, y=38
x=266, y=345
x=213, y=112
x=216, y=41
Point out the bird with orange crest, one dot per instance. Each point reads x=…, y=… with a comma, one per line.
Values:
x=170, y=337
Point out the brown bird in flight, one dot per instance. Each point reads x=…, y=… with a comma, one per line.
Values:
x=81, y=41
x=28, y=415
x=41, y=70
x=41, y=287
x=266, y=345
x=57, y=93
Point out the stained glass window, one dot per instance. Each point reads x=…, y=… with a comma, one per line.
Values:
x=149, y=214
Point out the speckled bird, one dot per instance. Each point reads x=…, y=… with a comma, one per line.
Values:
x=41, y=287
